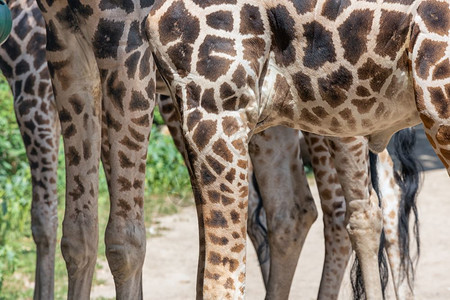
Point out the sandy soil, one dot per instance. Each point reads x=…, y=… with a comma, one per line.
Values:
x=171, y=259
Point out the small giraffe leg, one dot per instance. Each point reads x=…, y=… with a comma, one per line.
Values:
x=363, y=216
x=124, y=150
x=337, y=243
x=289, y=206
x=171, y=118
x=76, y=83
x=391, y=195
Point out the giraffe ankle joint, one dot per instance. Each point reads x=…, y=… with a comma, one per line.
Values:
x=125, y=261
x=79, y=256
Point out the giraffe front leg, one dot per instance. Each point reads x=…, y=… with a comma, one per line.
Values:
x=363, y=215
x=257, y=226
x=76, y=83
x=128, y=102
x=337, y=243
x=289, y=206
x=217, y=151
x=81, y=137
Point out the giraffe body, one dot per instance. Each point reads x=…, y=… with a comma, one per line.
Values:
x=358, y=69
x=336, y=62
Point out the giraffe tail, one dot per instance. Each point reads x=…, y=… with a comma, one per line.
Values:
x=258, y=227
x=356, y=272
x=408, y=179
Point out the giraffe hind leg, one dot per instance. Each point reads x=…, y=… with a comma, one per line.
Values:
x=363, y=215
x=288, y=203
x=337, y=243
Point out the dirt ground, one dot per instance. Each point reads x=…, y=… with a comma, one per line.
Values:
x=171, y=259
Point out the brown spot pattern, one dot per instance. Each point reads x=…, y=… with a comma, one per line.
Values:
x=436, y=16
x=430, y=52
x=353, y=33
x=203, y=133
x=333, y=88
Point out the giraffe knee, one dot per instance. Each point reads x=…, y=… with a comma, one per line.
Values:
x=43, y=229
x=44, y=221
x=125, y=251
x=309, y=211
x=364, y=224
x=79, y=249
x=289, y=227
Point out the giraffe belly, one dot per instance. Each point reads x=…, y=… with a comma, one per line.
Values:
x=335, y=111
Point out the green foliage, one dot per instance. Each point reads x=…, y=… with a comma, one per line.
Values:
x=15, y=189
x=157, y=118
x=166, y=172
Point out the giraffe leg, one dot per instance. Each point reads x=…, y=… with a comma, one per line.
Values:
x=125, y=135
x=220, y=184
x=42, y=143
x=169, y=114
x=39, y=126
x=363, y=216
x=257, y=226
x=337, y=244
x=391, y=195
x=289, y=206
x=76, y=83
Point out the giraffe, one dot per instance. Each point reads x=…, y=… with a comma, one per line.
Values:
x=22, y=62
x=362, y=68
x=275, y=158
x=104, y=87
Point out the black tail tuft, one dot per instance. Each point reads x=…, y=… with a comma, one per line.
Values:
x=382, y=259
x=357, y=281
x=263, y=250
x=408, y=178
